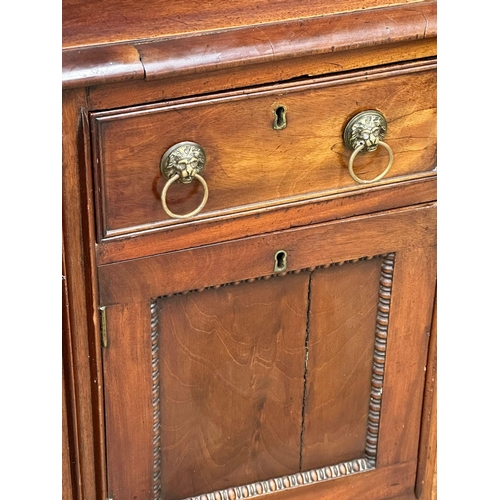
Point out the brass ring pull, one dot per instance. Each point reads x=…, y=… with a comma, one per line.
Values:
x=369, y=181
x=183, y=162
x=197, y=210
x=364, y=133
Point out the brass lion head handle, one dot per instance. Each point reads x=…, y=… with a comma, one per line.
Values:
x=183, y=162
x=364, y=133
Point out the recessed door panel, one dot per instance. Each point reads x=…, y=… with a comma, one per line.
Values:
x=231, y=362
x=341, y=344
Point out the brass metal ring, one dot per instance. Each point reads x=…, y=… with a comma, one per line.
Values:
x=369, y=181
x=197, y=210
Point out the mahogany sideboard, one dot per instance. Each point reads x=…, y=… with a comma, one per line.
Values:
x=249, y=247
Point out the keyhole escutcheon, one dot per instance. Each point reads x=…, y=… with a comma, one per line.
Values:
x=279, y=118
x=280, y=261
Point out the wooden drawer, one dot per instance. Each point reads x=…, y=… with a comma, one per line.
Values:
x=250, y=165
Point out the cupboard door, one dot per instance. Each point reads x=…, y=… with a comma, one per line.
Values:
x=225, y=379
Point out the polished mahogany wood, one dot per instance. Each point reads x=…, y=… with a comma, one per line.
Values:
x=334, y=241
x=384, y=483
x=167, y=56
x=69, y=468
x=94, y=23
x=409, y=330
x=79, y=340
x=341, y=342
x=287, y=165
x=364, y=200
x=127, y=393
x=126, y=93
x=120, y=58
x=231, y=383
x=426, y=486
x=67, y=481
x=202, y=364
x=109, y=63
x=303, y=37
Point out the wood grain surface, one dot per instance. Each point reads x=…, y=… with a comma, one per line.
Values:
x=94, y=23
x=117, y=93
x=341, y=342
x=78, y=330
x=232, y=360
x=258, y=165
x=426, y=483
x=306, y=246
x=69, y=469
x=231, y=378
x=67, y=448
x=128, y=397
x=217, y=372
x=335, y=207
x=298, y=38
x=412, y=303
x=385, y=483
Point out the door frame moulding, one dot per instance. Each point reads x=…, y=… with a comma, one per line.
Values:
x=329, y=472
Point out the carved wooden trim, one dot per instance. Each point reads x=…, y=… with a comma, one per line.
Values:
x=287, y=482
x=300, y=478
x=155, y=363
x=381, y=327
x=273, y=275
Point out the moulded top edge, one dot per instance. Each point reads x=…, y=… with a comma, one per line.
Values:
x=197, y=53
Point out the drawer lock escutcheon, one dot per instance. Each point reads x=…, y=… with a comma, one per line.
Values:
x=364, y=133
x=183, y=162
x=280, y=261
x=279, y=118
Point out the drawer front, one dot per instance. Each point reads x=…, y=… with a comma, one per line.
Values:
x=252, y=163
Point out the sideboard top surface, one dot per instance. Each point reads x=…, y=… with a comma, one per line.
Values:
x=97, y=22
x=118, y=40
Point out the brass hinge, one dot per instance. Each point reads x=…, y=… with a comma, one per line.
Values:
x=104, y=326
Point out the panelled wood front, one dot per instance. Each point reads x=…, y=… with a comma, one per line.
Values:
x=219, y=378
x=250, y=382
x=231, y=377
x=343, y=311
